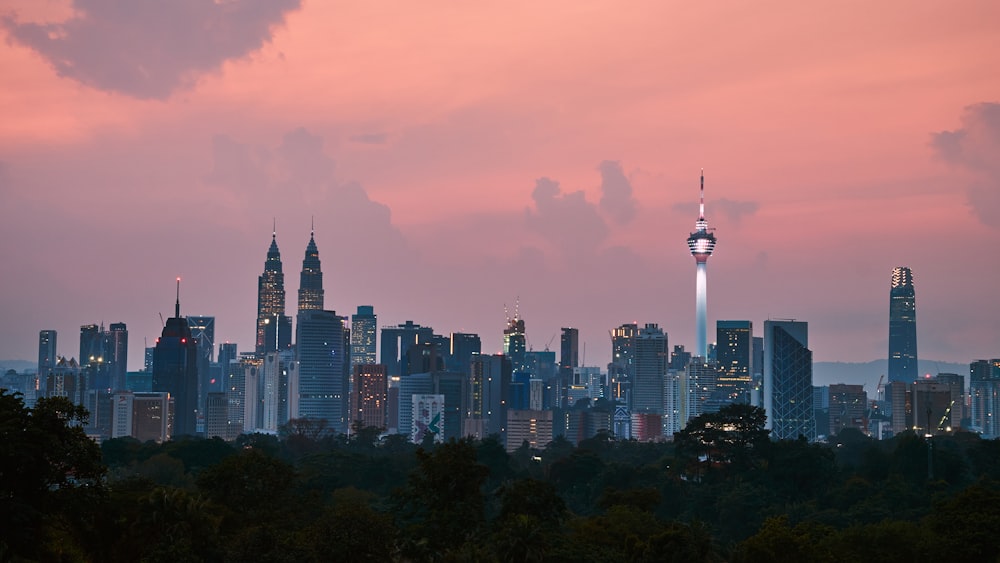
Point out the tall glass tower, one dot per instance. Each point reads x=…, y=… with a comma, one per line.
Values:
x=701, y=243
x=273, y=327
x=902, y=327
x=311, y=279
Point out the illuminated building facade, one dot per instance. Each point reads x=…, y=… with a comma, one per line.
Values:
x=531, y=426
x=323, y=349
x=651, y=357
x=984, y=388
x=274, y=328
x=902, y=327
x=701, y=243
x=364, y=332
x=788, y=382
x=514, y=343
x=46, y=351
x=311, y=279
x=621, y=370
x=369, y=396
x=734, y=361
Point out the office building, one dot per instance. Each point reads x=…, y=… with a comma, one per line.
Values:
x=734, y=360
x=514, y=341
x=364, y=333
x=143, y=416
x=621, y=369
x=216, y=416
x=369, y=396
x=323, y=349
x=175, y=370
x=311, y=279
x=651, y=356
x=463, y=346
x=902, y=327
x=274, y=328
x=203, y=332
x=984, y=404
x=848, y=408
x=531, y=426
x=788, y=385
x=46, y=351
x=396, y=342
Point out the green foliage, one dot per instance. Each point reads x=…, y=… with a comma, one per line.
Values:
x=48, y=467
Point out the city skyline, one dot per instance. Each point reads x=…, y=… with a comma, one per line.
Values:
x=458, y=159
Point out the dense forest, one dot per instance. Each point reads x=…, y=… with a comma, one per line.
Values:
x=721, y=491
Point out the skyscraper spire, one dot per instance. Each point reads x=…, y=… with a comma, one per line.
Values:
x=311, y=279
x=177, y=305
x=271, y=302
x=701, y=243
x=701, y=209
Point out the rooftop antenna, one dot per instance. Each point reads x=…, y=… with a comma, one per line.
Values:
x=177, y=306
x=701, y=207
x=312, y=225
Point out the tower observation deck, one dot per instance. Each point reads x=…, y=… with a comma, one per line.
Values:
x=701, y=243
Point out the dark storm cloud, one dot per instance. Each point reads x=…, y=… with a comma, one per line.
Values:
x=567, y=220
x=150, y=48
x=734, y=211
x=976, y=148
x=616, y=192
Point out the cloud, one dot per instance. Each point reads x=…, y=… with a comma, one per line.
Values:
x=733, y=210
x=976, y=148
x=567, y=220
x=370, y=138
x=616, y=192
x=150, y=48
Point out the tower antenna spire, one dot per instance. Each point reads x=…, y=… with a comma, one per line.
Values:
x=312, y=225
x=701, y=209
x=274, y=227
x=177, y=306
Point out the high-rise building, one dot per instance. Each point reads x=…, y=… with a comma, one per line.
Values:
x=364, y=333
x=274, y=328
x=621, y=369
x=93, y=349
x=463, y=346
x=175, y=370
x=514, y=341
x=902, y=327
x=788, y=385
x=396, y=343
x=734, y=360
x=117, y=355
x=984, y=388
x=489, y=392
x=369, y=396
x=701, y=243
x=531, y=426
x=203, y=332
x=277, y=393
x=143, y=416
x=848, y=408
x=324, y=365
x=651, y=356
x=569, y=358
x=311, y=279
x=46, y=351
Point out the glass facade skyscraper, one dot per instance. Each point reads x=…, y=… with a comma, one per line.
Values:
x=902, y=327
x=788, y=382
x=274, y=329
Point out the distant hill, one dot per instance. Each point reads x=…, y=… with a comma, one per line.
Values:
x=18, y=365
x=867, y=373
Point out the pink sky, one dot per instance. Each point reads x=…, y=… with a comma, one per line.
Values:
x=141, y=141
